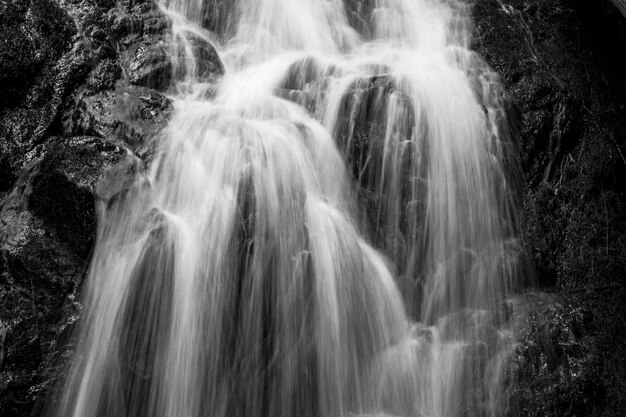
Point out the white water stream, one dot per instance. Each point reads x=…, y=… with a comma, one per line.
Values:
x=327, y=231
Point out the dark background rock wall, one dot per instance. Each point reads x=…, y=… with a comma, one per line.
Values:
x=564, y=65
x=80, y=99
x=78, y=104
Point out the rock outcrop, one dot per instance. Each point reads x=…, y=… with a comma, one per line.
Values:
x=47, y=229
x=81, y=98
x=557, y=364
x=560, y=62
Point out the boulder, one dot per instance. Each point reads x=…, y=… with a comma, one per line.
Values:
x=219, y=16
x=47, y=229
x=130, y=22
x=59, y=70
x=359, y=14
x=35, y=68
x=103, y=76
x=132, y=115
x=3, y=339
x=37, y=284
x=148, y=62
x=210, y=66
x=142, y=33
x=64, y=187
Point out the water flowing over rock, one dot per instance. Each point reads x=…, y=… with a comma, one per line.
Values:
x=47, y=226
x=328, y=230
x=312, y=207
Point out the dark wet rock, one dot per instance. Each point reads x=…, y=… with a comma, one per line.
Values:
x=129, y=23
x=3, y=339
x=64, y=187
x=363, y=118
x=104, y=76
x=141, y=32
x=132, y=115
x=556, y=364
x=47, y=228
x=219, y=16
x=57, y=57
x=210, y=66
x=34, y=33
x=305, y=82
x=544, y=71
x=36, y=66
x=359, y=14
x=37, y=281
x=148, y=64
x=359, y=132
x=54, y=55
x=48, y=49
x=37, y=275
x=559, y=62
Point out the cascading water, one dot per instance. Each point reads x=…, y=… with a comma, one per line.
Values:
x=251, y=272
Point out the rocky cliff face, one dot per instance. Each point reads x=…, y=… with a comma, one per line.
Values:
x=81, y=97
x=81, y=85
x=561, y=64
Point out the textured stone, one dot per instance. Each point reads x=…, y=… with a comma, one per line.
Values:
x=36, y=65
x=556, y=366
x=567, y=89
x=47, y=229
x=148, y=64
x=132, y=115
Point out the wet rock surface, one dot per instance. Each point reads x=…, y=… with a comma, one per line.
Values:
x=209, y=65
x=148, y=64
x=130, y=114
x=101, y=67
x=81, y=100
x=47, y=229
x=567, y=84
x=359, y=14
x=65, y=187
x=35, y=70
x=556, y=368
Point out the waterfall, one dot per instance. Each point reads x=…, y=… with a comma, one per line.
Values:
x=328, y=230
